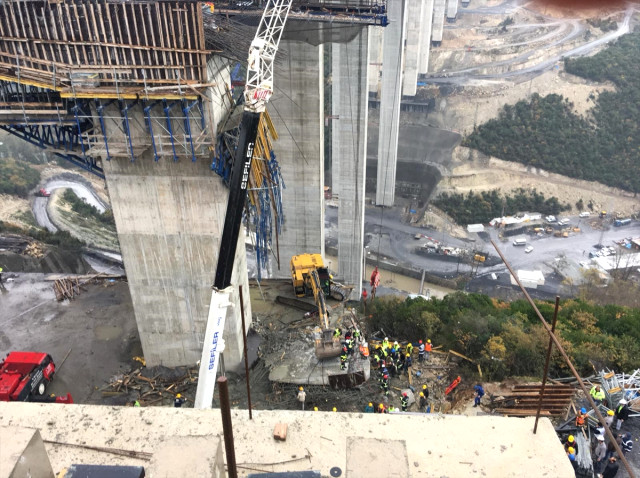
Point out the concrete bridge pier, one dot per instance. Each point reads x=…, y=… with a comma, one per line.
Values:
x=169, y=216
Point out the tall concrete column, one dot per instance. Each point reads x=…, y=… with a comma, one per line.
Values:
x=297, y=111
x=392, y=63
x=169, y=217
x=375, y=58
x=412, y=46
x=349, y=151
x=425, y=48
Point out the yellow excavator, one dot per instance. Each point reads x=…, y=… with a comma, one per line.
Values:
x=311, y=277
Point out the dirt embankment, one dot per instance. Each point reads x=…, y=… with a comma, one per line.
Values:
x=474, y=171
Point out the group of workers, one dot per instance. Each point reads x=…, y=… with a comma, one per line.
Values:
x=604, y=454
x=351, y=339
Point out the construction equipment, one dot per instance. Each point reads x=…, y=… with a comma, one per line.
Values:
x=43, y=193
x=258, y=89
x=24, y=377
x=301, y=267
x=326, y=346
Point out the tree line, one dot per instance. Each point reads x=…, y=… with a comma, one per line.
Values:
x=481, y=207
x=507, y=339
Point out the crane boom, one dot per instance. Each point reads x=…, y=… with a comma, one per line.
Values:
x=258, y=90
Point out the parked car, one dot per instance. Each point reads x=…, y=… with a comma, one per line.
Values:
x=584, y=214
x=528, y=249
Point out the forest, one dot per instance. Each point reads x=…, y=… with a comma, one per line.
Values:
x=17, y=178
x=545, y=132
x=475, y=208
x=507, y=338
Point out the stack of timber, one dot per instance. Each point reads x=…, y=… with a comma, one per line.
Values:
x=66, y=288
x=523, y=400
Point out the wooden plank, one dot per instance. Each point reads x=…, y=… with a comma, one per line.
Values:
x=157, y=27
x=91, y=13
x=149, y=51
x=129, y=42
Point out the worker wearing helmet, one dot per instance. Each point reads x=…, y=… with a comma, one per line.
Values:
x=427, y=350
x=581, y=418
x=381, y=409
x=404, y=401
x=335, y=409
x=384, y=384
x=368, y=408
x=425, y=390
x=315, y=409
x=385, y=343
x=408, y=362
x=597, y=394
x=621, y=413
x=1, y=277
x=177, y=403
x=423, y=402
x=302, y=396
x=571, y=443
x=409, y=348
x=420, y=351
x=343, y=359
x=609, y=418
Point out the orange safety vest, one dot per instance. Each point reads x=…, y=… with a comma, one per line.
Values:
x=427, y=348
x=580, y=421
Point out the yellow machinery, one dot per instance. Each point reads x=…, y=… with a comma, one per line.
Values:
x=311, y=277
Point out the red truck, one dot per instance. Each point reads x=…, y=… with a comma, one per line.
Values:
x=43, y=193
x=24, y=377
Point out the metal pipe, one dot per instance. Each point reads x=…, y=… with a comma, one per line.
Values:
x=566, y=358
x=227, y=427
x=546, y=364
x=246, y=354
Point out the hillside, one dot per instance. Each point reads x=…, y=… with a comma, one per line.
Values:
x=545, y=132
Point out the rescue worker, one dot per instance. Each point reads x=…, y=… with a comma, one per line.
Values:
x=177, y=403
x=570, y=444
x=581, y=418
x=382, y=409
x=337, y=333
x=349, y=343
x=423, y=402
x=302, y=395
x=356, y=335
x=385, y=343
x=384, y=384
x=622, y=413
x=408, y=363
x=599, y=454
x=343, y=359
x=409, y=348
x=315, y=409
x=368, y=408
x=376, y=360
x=335, y=409
x=0, y=275
x=425, y=390
x=427, y=349
x=479, y=394
x=420, y=351
x=136, y=403
x=404, y=401
x=609, y=418
x=364, y=295
x=597, y=394
x=400, y=363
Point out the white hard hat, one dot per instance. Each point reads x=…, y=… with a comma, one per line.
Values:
x=599, y=437
x=623, y=401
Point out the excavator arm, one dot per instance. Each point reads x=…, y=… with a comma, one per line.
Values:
x=318, y=295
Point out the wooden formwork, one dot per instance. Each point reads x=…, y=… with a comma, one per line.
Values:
x=102, y=48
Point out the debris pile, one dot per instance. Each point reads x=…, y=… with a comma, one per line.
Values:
x=154, y=386
x=621, y=385
x=35, y=249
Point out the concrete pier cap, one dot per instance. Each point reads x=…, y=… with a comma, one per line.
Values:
x=359, y=444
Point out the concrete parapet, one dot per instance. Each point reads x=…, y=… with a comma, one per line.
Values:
x=22, y=454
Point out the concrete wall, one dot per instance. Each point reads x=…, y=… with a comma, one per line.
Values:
x=393, y=57
x=297, y=111
x=169, y=216
x=349, y=151
x=413, y=45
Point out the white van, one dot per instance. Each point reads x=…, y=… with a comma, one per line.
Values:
x=584, y=214
x=521, y=241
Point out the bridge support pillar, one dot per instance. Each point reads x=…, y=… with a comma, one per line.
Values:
x=350, y=66
x=297, y=110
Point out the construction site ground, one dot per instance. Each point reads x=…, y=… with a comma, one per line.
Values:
x=97, y=330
